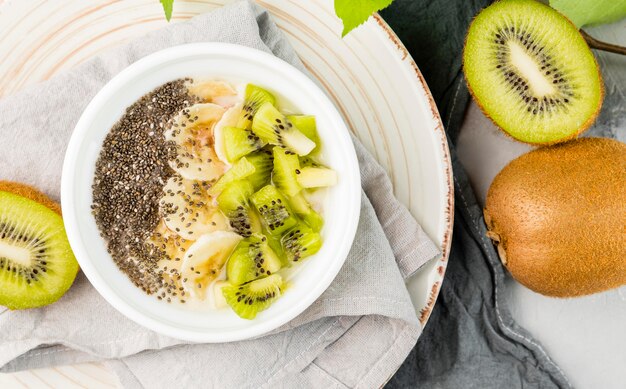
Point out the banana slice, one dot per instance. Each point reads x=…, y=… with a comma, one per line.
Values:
x=229, y=119
x=205, y=259
x=188, y=211
x=219, y=301
x=192, y=132
x=214, y=91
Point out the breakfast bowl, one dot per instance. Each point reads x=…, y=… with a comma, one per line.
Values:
x=297, y=93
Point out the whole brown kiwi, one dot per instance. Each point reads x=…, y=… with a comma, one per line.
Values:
x=558, y=217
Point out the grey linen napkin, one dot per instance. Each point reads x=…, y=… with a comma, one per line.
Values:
x=355, y=335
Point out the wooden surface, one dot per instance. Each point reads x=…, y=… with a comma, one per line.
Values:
x=89, y=375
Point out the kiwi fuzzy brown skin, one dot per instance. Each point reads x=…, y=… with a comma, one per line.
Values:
x=582, y=128
x=558, y=216
x=30, y=193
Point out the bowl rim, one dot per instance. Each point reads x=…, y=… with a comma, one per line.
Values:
x=68, y=183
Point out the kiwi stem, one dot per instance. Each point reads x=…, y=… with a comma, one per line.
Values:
x=599, y=45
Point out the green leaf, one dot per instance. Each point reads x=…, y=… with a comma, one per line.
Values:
x=168, y=6
x=355, y=12
x=585, y=12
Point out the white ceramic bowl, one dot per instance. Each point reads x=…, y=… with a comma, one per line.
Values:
x=341, y=210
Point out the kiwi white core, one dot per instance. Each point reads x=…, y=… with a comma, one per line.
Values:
x=20, y=255
x=529, y=69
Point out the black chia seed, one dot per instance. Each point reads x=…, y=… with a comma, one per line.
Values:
x=131, y=171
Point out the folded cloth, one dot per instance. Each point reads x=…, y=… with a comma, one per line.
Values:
x=355, y=335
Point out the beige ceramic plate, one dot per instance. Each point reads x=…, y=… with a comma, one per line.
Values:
x=369, y=75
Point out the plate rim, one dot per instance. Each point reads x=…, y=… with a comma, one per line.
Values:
x=439, y=131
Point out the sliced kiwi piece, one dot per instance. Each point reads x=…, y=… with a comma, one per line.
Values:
x=37, y=265
x=274, y=242
x=300, y=242
x=248, y=299
x=233, y=202
x=305, y=211
x=531, y=72
x=255, y=97
x=273, y=127
x=286, y=169
x=316, y=177
x=253, y=258
x=239, y=142
x=274, y=210
x=241, y=169
x=308, y=126
x=263, y=163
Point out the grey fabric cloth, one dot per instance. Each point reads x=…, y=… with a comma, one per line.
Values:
x=355, y=335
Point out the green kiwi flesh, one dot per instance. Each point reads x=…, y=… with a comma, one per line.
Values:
x=248, y=299
x=301, y=242
x=286, y=169
x=274, y=210
x=252, y=258
x=255, y=97
x=531, y=72
x=37, y=265
x=273, y=127
x=308, y=161
x=239, y=142
x=233, y=202
x=241, y=169
x=305, y=211
x=308, y=126
x=263, y=163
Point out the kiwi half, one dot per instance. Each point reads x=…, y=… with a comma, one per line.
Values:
x=531, y=72
x=37, y=265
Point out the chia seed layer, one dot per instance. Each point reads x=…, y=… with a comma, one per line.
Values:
x=131, y=171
